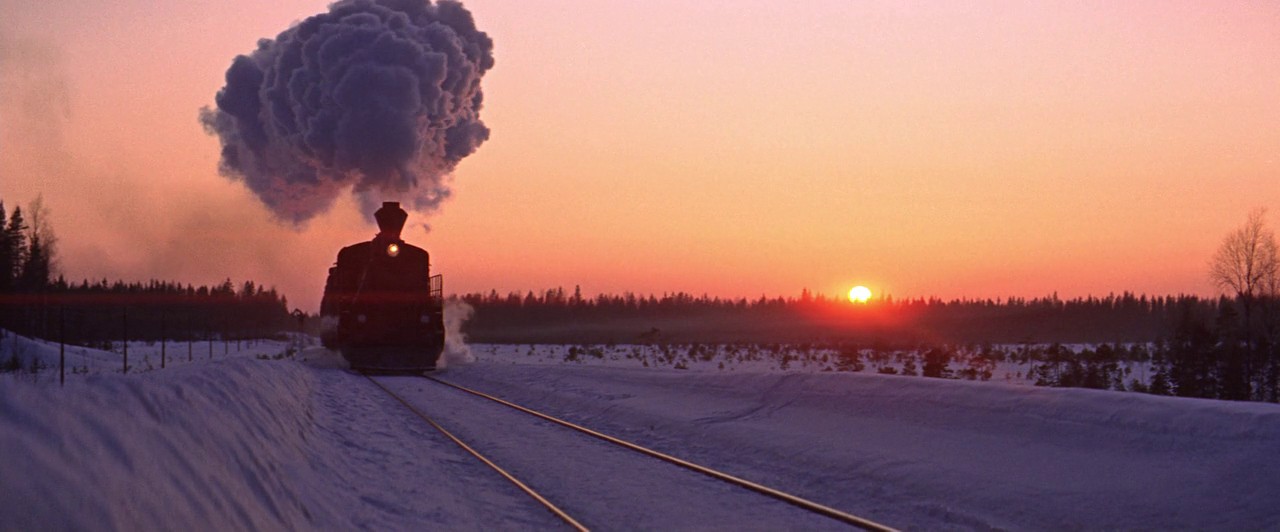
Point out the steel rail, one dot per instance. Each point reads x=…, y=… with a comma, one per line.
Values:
x=523, y=487
x=806, y=504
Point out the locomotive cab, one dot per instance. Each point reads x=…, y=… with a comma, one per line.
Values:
x=384, y=308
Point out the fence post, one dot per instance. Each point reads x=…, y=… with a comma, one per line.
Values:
x=226, y=341
x=209, y=334
x=125, y=313
x=163, y=339
x=191, y=338
x=62, y=346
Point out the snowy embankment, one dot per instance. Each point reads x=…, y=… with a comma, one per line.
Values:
x=209, y=447
x=244, y=443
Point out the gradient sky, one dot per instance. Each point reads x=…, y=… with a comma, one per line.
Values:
x=734, y=148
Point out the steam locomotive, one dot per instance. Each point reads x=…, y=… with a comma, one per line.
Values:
x=383, y=309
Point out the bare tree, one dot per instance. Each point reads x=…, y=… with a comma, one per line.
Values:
x=1247, y=265
x=40, y=231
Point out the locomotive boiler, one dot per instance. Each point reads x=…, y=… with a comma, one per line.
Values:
x=383, y=309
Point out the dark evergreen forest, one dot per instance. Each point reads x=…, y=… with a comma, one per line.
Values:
x=555, y=317
x=36, y=301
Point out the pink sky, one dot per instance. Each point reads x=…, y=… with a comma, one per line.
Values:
x=732, y=148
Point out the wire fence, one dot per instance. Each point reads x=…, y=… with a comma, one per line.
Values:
x=166, y=340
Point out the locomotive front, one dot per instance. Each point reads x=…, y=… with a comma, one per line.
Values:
x=384, y=308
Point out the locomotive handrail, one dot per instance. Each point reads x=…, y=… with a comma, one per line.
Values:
x=435, y=286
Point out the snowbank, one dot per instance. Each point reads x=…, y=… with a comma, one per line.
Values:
x=198, y=449
x=237, y=444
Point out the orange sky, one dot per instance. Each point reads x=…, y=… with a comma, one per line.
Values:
x=732, y=148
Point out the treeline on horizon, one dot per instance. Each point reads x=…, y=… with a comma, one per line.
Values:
x=1220, y=348
x=36, y=301
x=554, y=316
x=101, y=312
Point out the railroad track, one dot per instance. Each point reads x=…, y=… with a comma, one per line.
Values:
x=788, y=498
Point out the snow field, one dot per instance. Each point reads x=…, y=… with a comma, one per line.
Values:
x=782, y=358
x=300, y=443
x=931, y=453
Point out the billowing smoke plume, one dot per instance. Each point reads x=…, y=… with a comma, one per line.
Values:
x=379, y=96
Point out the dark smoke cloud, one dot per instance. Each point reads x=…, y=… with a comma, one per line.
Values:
x=378, y=96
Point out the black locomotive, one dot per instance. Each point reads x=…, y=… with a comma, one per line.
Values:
x=384, y=309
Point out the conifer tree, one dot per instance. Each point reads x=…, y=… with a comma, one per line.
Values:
x=6, y=256
x=15, y=235
x=36, y=268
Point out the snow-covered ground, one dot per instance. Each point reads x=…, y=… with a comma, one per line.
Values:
x=247, y=443
x=784, y=358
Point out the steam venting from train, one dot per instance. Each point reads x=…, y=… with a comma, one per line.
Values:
x=456, y=350
x=381, y=97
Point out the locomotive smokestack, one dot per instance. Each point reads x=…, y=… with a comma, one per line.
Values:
x=391, y=220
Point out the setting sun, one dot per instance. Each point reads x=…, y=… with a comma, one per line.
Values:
x=859, y=294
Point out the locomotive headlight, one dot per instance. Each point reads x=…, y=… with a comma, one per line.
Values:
x=393, y=250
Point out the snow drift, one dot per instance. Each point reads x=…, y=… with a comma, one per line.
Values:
x=199, y=449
